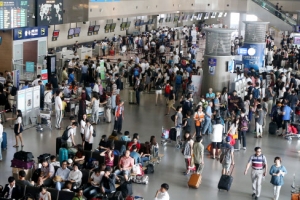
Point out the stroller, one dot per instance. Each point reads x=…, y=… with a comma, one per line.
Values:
x=171, y=135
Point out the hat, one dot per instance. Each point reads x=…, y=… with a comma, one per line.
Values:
x=57, y=179
x=228, y=139
x=70, y=161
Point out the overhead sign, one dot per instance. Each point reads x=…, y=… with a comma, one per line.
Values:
x=28, y=33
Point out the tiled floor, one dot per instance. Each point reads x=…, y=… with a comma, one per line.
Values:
x=148, y=119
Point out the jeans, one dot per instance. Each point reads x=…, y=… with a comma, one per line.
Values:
x=145, y=159
x=59, y=185
x=123, y=172
x=198, y=130
x=83, y=77
x=95, y=115
x=177, y=88
x=118, y=124
x=276, y=192
x=113, y=101
x=206, y=126
x=137, y=96
x=242, y=137
x=250, y=115
x=1, y=139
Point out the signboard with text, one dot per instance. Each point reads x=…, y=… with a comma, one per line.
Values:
x=255, y=57
x=28, y=33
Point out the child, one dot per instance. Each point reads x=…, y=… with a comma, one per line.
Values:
x=44, y=194
x=125, y=137
x=54, y=162
x=259, y=121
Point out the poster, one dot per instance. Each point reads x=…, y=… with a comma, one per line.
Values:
x=212, y=63
x=44, y=75
x=231, y=66
x=29, y=67
x=36, y=97
x=197, y=80
x=21, y=100
x=16, y=78
x=28, y=102
x=255, y=57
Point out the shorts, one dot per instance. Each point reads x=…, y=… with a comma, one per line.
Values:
x=226, y=166
x=171, y=103
x=16, y=127
x=167, y=95
x=216, y=145
x=158, y=91
x=284, y=123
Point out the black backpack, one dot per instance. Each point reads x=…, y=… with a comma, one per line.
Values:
x=150, y=169
x=65, y=136
x=13, y=91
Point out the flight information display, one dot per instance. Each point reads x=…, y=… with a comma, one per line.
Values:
x=13, y=13
x=49, y=12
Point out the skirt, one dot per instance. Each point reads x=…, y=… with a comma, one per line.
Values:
x=16, y=127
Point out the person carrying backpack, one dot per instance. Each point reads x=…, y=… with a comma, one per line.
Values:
x=178, y=83
x=68, y=135
x=226, y=158
x=243, y=127
x=256, y=91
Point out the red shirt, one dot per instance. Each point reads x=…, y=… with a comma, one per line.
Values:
x=130, y=144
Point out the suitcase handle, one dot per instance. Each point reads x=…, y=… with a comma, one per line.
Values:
x=232, y=171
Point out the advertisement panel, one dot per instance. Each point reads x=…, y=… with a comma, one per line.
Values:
x=255, y=57
x=212, y=63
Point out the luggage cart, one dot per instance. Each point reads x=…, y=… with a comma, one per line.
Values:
x=44, y=118
x=171, y=135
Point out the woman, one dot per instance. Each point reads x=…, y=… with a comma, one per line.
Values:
x=18, y=128
x=48, y=97
x=95, y=108
x=233, y=130
x=154, y=146
x=277, y=171
x=82, y=126
x=198, y=118
x=158, y=86
x=82, y=107
x=44, y=194
x=246, y=105
x=148, y=80
x=145, y=152
x=79, y=156
x=134, y=141
x=224, y=103
x=187, y=151
x=91, y=74
x=109, y=155
x=216, y=137
x=282, y=90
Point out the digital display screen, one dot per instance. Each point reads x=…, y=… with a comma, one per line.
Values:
x=13, y=13
x=206, y=16
x=128, y=24
x=77, y=30
x=199, y=16
x=161, y=20
x=138, y=22
x=28, y=33
x=96, y=28
x=220, y=14
x=113, y=26
x=91, y=28
x=71, y=31
x=107, y=26
x=243, y=51
x=55, y=33
x=123, y=25
x=49, y=12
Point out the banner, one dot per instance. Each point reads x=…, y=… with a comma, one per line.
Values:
x=255, y=57
x=212, y=63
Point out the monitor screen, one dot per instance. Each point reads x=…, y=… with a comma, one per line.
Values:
x=220, y=14
x=206, y=16
x=91, y=28
x=296, y=40
x=107, y=26
x=55, y=33
x=49, y=12
x=71, y=31
x=161, y=20
x=77, y=30
x=128, y=24
x=138, y=22
x=96, y=28
x=123, y=24
x=213, y=15
x=243, y=51
x=193, y=16
x=113, y=26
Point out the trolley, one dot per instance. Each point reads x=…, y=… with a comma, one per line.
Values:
x=171, y=135
x=44, y=118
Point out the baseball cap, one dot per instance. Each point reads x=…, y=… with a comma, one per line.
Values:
x=70, y=161
x=228, y=139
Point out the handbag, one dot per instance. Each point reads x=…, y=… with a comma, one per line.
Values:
x=236, y=135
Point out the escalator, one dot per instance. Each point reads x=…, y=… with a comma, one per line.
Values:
x=267, y=12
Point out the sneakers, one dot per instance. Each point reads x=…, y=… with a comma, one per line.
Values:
x=244, y=148
x=253, y=195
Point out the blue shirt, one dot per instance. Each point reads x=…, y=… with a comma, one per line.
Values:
x=84, y=69
x=24, y=87
x=71, y=78
x=208, y=112
x=287, y=113
x=277, y=180
x=136, y=156
x=210, y=95
x=125, y=138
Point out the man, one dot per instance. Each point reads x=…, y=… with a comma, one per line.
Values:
x=71, y=77
x=36, y=81
x=22, y=181
x=210, y=95
x=42, y=94
x=54, y=162
x=208, y=117
x=84, y=71
x=26, y=85
x=270, y=95
x=75, y=176
x=293, y=101
x=88, y=136
x=75, y=46
x=286, y=117
x=63, y=172
x=64, y=75
x=162, y=193
x=58, y=109
x=108, y=181
x=10, y=190
x=54, y=83
x=79, y=195
x=47, y=172
x=198, y=151
x=259, y=170
x=135, y=155
x=71, y=141
x=228, y=158
x=119, y=116
x=137, y=90
x=125, y=165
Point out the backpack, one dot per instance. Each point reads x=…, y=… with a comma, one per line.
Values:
x=65, y=136
x=225, y=157
x=256, y=93
x=167, y=89
x=178, y=79
x=150, y=169
x=13, y=91
x=244, y=124
x=94, y=132
x=136, y=72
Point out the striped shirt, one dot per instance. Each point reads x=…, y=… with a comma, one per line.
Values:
x=258, y=162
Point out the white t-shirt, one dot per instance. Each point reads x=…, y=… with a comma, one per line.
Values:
x=87, y=131
x=143, y=66
x=176, y=59
x=233, y=129
x=97, y=179
x=162, y=196
x=36, y=82
x=18, y=121
x=1, y=130
x=58, y=103
x=48, y=96
x=147, y=66
x=82, y=126
x=70, y=133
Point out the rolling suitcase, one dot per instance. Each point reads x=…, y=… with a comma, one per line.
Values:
x=237, y=145
x=58, y=145
x=22, y=164
x=23, y=156
x=295, y=196
x=131, y=96
x=195, y=181
x=4, y=141
x=63, y=154
x=272, y=128
x=226, y=181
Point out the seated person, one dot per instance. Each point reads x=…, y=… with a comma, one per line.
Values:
x=63, y=172
x=47, y=173
x=135, y=155
x=22, y=181
x=125, y=165
x=94, y=182
x=134, y=142
x=109, y=155
x=54, y=162
x=39, y=182
x=102, y=143
x=154, y=146
x=113, y=136
x=75, y=176
x=136, y=135
x=79, y=156
x=10, y=190
x=44, y=194
x=79, y=195
x=70, y=164
x=68, y=186
x=108, y=181
x=125, y=137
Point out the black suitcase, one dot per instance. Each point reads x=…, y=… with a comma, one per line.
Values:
x=237, y=145
x=125, y=189
x=58, y=145
x=226, y=181
x=116, y=196
x=173, y=134
x=272, y=128
x=24, y=156
x=45, y=156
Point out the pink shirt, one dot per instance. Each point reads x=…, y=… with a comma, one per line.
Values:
x=126, y=162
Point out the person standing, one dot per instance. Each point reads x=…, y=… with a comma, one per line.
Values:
x=277, y=171
x=270, y=95
x=228, y=158
x=58, y=109
x=1, y=139
x=162, y=193
x=18, y=128
x=216, y=138
x=88, y=135
x=243, y=128
x=95, y=103
x=208, y=117
x=42, y=94
x=171, y=99
x=137, y=90
x=119, y=116
x=286, y=117
x=258, y=162
x=198, y=151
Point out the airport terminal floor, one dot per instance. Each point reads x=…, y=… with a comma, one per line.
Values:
x=148, y=119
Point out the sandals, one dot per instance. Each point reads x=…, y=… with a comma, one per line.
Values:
x=16, y=146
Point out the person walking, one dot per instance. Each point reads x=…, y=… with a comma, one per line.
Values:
x=227, y=158
x=119, y=116
x=198, y=152
x=208, y=117
x=18, y=128
x=198, y=118
x=216, y=137
x=95, y=103
x=58, y=109
x=258, y=162
x=137, y=90
x=277, y=171
x=243, y=128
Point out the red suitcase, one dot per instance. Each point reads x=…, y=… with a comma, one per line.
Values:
x=22, y=164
